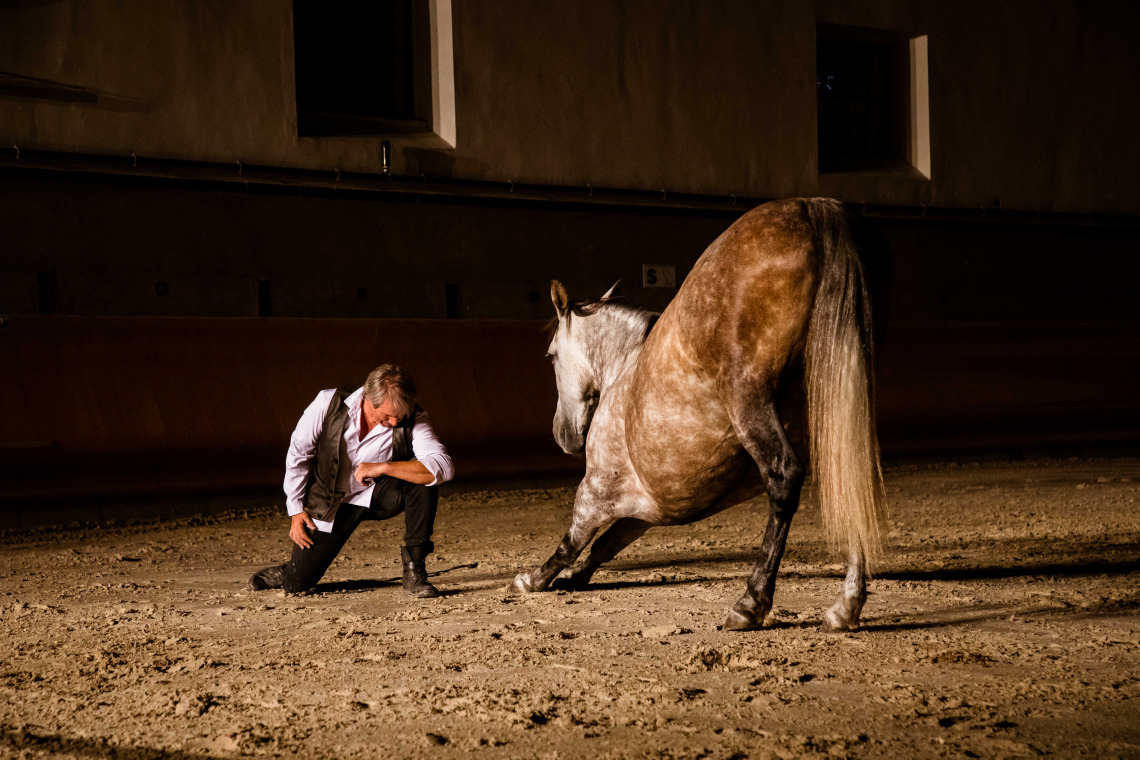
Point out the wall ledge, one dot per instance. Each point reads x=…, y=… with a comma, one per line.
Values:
x=236, y=177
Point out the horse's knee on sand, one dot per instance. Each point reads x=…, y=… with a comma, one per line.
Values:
x=576, y=578
x=564, y=556
x=620, y=534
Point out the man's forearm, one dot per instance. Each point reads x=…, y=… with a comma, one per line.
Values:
x=412, y=471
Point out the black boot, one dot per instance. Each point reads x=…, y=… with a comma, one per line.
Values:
x=270, y=577
x=415, y=576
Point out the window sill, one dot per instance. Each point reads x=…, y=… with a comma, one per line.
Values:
x=310, y=124
x=878, y=166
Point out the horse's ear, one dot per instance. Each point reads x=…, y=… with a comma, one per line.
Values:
x=559, y=297
x=610, y=293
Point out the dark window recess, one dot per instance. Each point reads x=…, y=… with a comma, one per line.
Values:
x=46, y=283
x=264, y=299
x=451, y=300
x=354, y=67
x=854, y=85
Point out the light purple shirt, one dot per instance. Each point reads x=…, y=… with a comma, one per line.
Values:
x=376, y=447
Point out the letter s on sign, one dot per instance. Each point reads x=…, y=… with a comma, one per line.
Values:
x=658, y=276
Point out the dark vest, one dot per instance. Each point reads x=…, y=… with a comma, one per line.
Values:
x=320, y=495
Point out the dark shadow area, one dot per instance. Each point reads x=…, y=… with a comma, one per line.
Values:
x=32, y=741
x=981, y=573
x=368, y=584
x=980, y=613
x=619, y=585
x=431, y=163
x=745, y=561
x=1067, y=569
x=353, y=586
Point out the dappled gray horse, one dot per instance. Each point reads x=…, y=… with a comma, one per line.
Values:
x=763, y=357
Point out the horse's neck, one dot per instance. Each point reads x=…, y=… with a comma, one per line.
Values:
x=617, y=366
x=617, y=345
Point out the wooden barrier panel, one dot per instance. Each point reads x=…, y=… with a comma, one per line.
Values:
x=108, y=406
x=956, y=387
x=114, y=407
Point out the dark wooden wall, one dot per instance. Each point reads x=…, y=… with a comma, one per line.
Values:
x=116, y=408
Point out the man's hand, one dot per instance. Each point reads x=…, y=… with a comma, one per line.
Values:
x=370, y=470
x=300, y=521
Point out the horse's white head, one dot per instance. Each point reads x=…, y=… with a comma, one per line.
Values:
x=577, y=379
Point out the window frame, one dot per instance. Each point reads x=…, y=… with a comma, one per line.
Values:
x=909, y=108
x=433, y=90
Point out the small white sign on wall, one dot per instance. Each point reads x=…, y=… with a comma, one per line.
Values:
x=658, y=276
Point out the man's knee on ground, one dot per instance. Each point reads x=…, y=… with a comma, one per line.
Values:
x=297, y=583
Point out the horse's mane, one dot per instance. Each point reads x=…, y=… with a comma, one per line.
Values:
x=632, y=314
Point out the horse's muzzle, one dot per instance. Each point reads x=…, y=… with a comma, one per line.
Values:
x=571, y=441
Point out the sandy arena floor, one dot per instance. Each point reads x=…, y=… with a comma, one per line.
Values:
x=1006, y=623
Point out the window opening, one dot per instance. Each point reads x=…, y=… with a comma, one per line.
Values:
x=354, y=64
x=854, y=87
x=46, y=284
x=451, y=300
x=264, y=299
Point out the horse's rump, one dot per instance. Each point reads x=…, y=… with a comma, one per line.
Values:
x=742, y=312
x=737, y=336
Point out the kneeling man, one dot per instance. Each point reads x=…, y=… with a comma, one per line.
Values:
x=364, y=454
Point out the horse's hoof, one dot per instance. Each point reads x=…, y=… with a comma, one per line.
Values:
x=521, y=584
x=739, y=621
x=833, y=623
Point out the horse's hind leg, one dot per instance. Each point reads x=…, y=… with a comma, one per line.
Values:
x=576, y=539
x=762, y=435
x=620, y=535
x=844, y=614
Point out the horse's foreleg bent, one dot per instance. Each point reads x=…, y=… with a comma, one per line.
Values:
x=575, y=540
x=763, y=437
x=620, y=535
x=844, y=614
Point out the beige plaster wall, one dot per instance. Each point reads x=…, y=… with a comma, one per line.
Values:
x=1032, y=103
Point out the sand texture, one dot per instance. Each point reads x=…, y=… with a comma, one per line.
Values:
x=1005, y=622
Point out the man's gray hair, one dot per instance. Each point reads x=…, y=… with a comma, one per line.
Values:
x=389, y=382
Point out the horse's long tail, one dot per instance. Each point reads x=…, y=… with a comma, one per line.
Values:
x=841, y=388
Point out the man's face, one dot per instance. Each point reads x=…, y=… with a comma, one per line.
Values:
x=385, y=414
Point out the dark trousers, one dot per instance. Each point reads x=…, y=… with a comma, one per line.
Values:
x=392, y=496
